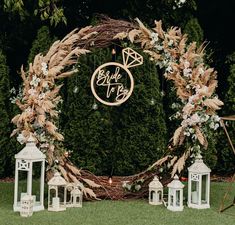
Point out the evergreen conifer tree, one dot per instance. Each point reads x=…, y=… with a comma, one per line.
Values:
x=42, y=43
x=226, y=157
x=114, y=140
x=194, y=31
x=6, y=149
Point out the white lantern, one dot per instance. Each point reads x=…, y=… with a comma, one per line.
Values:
x=26, y=206
x=175, y=195
x=26, y=161
x=199, y=185
x=155, y=192
x=75, y=195
x=57, y=193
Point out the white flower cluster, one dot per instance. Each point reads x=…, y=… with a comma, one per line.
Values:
x=166, y=56
x=19, y=96
x=196, y=149
x=20, y=138
x=187, y=71
x=214, y=122
x=179, y=3
x=44, y=68
x=35, y=81
x=32, y=91
x=192, y=120
x=41, y=96
x=156, y=42
x=175, y=105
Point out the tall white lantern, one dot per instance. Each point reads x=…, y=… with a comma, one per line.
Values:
x=199, y=185
x=57, y=193
x=25, y=163
x=175, y=195
x=155, y=192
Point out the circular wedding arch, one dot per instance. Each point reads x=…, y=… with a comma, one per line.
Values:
x=183, y=64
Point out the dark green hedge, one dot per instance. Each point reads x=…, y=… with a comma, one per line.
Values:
x=114, y=140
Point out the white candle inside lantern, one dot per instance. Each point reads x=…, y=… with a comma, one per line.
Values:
x=22, y=195
x=194, y=197
x=56, y=202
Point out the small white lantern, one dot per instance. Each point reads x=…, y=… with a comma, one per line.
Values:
x=199, y=185
x=155, y=192
x=57, y=193
x=75, y=195
x=26, y=206
x=25, y=163
x=175, y=195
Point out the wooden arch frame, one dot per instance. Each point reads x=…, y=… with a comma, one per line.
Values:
x=183, y=64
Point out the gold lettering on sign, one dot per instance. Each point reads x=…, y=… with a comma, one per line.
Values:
x=112, y=83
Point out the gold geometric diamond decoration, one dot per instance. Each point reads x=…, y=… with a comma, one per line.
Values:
x=131, y=58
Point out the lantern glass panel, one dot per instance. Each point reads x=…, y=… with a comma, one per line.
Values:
x=68, y=197
x=171, y=200
x=36, y=176
x=61, y=194
x=152, y=195
x=159, y=195
x=204, y=189
x=194, y=192
x=22, y=184
x=52, y=195
x=177, y=197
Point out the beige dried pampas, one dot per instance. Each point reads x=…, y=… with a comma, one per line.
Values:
x=177, y=135
x=158, y=29
x=91, y=183
x=213, y=103
x=179, y=165
x=201, y=138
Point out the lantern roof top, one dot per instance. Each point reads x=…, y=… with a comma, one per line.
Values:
x=199, y=166
x=76, y=191
x=57, y=180
x=175, y=183
x=30, y=151
x=155, y=183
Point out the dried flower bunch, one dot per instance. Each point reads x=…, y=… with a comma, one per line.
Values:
x=195, y=85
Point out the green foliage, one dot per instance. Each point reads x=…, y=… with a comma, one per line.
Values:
x=48, y=9
x=114, y=140
x=194, y=31
x=210, y=154
x=6, y=156
x=166, y=10
x=230, y=96
x=15, y=6
x=226, y=157
x=45, y=9
x=42, y=43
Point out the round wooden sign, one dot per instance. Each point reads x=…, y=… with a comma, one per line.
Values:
x=112, y=83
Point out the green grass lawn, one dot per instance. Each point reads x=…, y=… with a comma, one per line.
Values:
x=131, y=212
